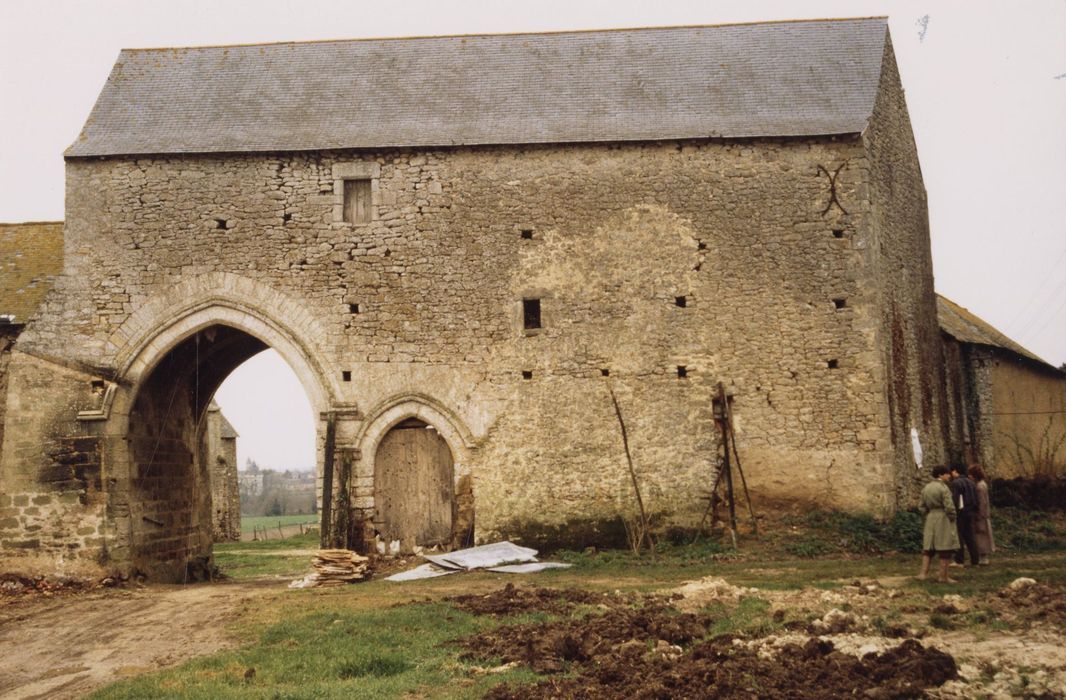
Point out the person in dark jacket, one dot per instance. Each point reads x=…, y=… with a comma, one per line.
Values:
x=964, y=494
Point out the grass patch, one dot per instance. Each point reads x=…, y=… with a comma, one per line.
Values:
x=386, y=653
x=244, y=560
x=250, y=522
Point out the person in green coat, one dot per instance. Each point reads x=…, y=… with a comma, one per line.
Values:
x=940, y=535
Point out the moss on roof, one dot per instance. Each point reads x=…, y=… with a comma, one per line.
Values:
x=31, y=256
x=966, y=327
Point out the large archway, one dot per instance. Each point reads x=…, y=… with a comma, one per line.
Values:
x=160, y=504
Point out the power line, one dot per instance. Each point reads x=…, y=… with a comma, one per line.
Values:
x=1024, y=413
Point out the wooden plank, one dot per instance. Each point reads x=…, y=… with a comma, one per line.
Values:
x=414, y=488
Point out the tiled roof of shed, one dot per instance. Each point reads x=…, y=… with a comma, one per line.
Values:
x=31, y=255
x=965, y=327
x=802, y=78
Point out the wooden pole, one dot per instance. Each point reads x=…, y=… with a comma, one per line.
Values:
x=326, y=536
x=727, y=465
x=740, y=469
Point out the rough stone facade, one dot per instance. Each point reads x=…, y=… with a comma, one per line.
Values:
x=796, y=271
x=1007, y=407
x=220, y=452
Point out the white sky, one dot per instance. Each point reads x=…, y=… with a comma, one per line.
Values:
x=985, y=83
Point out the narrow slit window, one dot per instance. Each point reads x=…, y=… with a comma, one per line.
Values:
x=346, y=376
x=682, y=372
x=357, y=201
x=531, y=314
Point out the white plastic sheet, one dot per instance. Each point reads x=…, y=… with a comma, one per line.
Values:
x=500, y=557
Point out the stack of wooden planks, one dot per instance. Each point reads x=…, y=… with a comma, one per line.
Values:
x=334, y=567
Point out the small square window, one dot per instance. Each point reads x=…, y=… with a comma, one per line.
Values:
x=681, y=301
x=838, y=233
x=833, y=364
x=527, y=234
x=357, y=201
x=353, y=308
x=346, y=375
x=527, y=374
x=531, y=314
x=840, y=303
x=682, y=372
x=605, y=372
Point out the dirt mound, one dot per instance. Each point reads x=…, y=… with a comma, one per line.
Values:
x=552, y=646
x=720, y=669
x=512, y=600
x=1034, y=600
x=17, y=586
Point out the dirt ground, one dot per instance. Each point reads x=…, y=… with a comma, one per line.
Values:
x=62, y=646
x=825, y=644
x=876, y=636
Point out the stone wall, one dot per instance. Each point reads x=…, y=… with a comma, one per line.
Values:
x=220, y=456
x=662, y=269
x=909, y=333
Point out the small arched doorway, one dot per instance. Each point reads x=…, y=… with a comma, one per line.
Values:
x=414, y=486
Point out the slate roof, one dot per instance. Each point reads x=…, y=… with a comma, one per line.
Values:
x=965, y=327
x=802, y=78
x=31, y=256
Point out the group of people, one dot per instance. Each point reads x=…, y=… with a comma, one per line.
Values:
x=957, y=519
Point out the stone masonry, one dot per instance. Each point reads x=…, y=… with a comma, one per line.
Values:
x=793, y=269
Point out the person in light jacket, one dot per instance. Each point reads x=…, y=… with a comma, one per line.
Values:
x=939, y=537
x=982, y=521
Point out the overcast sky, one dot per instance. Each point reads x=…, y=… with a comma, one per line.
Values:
x=985, y=84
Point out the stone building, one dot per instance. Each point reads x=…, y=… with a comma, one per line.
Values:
x=31, y=257
x=220, y=453
x=465, y=247
x=1006, y=406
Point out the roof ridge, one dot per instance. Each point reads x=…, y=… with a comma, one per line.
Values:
x=555, y=32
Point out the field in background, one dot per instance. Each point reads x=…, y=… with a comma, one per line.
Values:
x=250, y=522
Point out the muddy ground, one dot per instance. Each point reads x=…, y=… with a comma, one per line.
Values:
x=63, y=645
x=820, y=644
x=867, y=638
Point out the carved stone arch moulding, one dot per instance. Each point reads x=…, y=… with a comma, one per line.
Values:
x=224, y=299
x=397, y=409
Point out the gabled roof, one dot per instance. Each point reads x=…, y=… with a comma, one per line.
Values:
x=965, y=327
x=803, y=78
x=31, y=256
x=226, y=430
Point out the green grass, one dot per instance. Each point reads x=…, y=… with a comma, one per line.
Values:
x=384, y=640
x=384, y=653
x=244, y=560
x=248, y=522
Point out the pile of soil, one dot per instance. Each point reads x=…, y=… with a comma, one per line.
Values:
x=720, y=669
x=552, y=646
x=16, y=585
x=511, y=600
x=1032, y=600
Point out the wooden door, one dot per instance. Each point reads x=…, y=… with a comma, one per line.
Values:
x=414, y=490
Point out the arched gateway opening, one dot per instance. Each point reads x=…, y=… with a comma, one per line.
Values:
x=161, y=504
